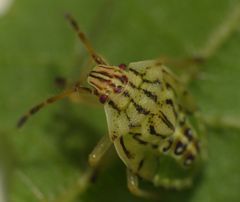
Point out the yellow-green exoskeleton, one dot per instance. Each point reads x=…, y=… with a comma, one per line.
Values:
x=151, y=119
x=147, y=110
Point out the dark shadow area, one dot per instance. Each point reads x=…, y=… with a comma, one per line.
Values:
x=112, y=186
x=74, y=136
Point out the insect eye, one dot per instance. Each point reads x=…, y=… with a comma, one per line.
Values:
x=103, y=98
x=122, y=66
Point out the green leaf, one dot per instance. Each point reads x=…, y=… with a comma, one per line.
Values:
x=37, y=45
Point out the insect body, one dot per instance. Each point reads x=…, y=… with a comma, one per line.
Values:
x=146, y=110
x=151, y=120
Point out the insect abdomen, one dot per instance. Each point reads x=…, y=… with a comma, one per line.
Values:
x=150, y=130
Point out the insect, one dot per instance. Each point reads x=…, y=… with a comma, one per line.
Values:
x=152, y=120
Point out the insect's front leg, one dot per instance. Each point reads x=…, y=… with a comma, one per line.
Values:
x=133, y=186
x=214, y=42
x=81, y=185
x=63, y=83
x=99, y=151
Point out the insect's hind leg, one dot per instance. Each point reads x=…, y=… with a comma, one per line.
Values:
x=133, y=186
x=217, y=121
x=175, y=184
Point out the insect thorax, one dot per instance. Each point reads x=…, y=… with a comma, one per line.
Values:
x=146, y=121
x=107, y=81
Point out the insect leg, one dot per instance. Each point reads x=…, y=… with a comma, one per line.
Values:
x=76, y=188
x=221, y=121
x=96, y=57
x=31, y=186
x=76, y=89
x=63, y=83
x=186, y=99
x=216, y=39
x=133, y=186
x=222, y=33
x=181, y=62
x=81, y=185
x=99, y=150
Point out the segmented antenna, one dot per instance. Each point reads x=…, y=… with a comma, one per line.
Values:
x=51, y=100
x=96, y=57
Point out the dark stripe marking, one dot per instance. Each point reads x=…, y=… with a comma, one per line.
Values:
x=127, y=153
x=140, y=165
x=126, y=93
x=166, y=121
x=139, y=108
x=168, y=85
x=180, y=148
x=188, y=133
x=99, y=78
x=36, y=108
x=133, y=85
x=170, y=102
x=123, y=79
x=135, y=72
x=170, y=142
x=114, y=106
x=154, y=132
x=150, y=95
x=136, y=137
x=21, y=121
x=189, y=159
x=152, y=82
x=131, y=125
x=95, y=57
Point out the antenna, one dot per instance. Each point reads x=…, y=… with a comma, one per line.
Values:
x=96, y=57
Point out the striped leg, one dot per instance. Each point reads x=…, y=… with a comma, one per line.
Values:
x=88, y=99
x=76, y=89
x=95, y=56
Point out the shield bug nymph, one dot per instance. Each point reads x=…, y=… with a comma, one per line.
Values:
x=151, y=118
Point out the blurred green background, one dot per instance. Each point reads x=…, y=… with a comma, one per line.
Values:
x=50, y=152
